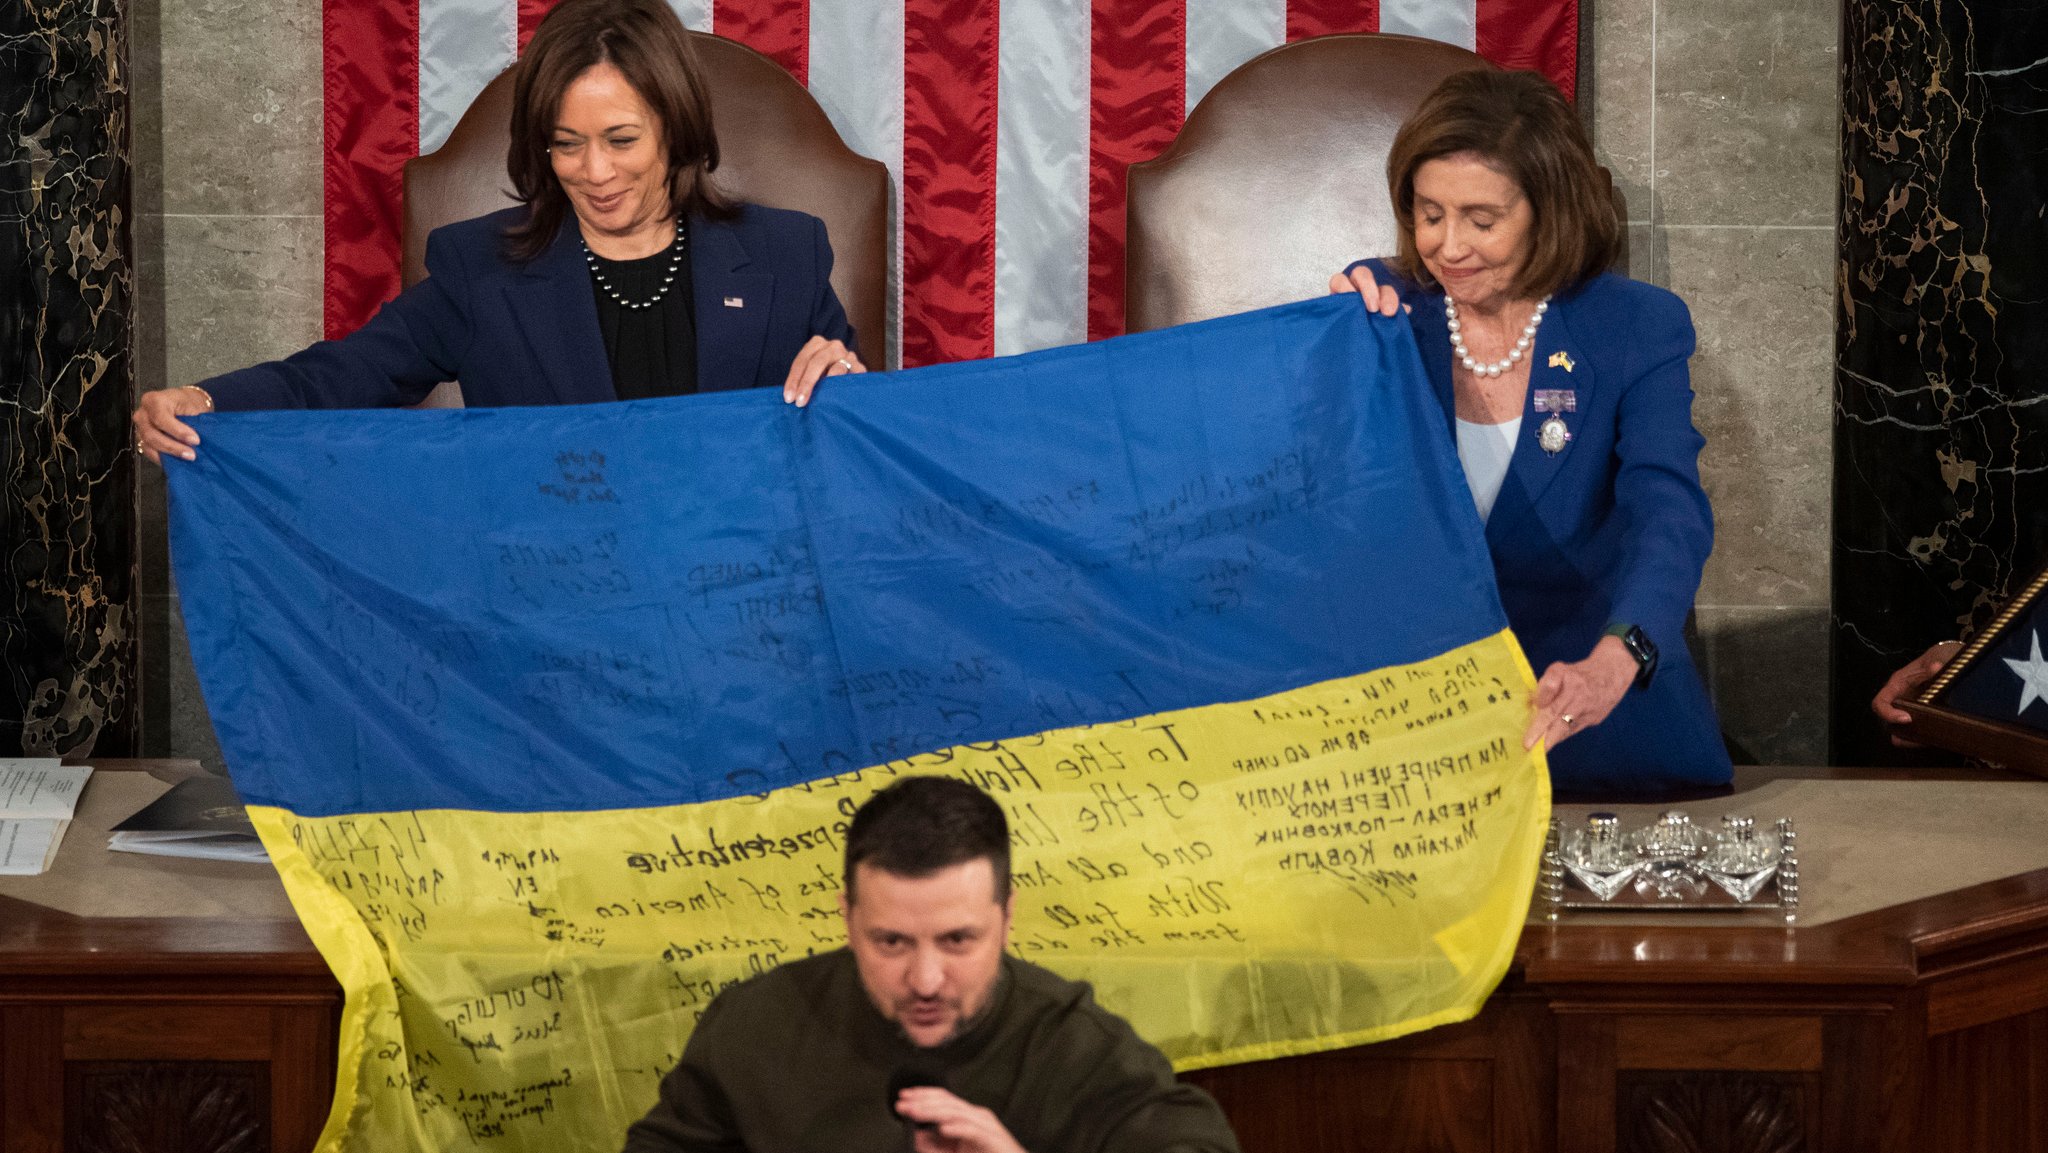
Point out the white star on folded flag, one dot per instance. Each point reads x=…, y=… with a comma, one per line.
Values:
x=2033, y=674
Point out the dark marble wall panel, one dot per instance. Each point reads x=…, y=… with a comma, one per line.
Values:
x=67, y=472
x=1941, y=421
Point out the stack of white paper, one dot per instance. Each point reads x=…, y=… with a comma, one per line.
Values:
x=37, y=798
x=203, y=846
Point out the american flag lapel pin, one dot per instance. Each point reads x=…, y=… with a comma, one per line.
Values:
x=735, y=302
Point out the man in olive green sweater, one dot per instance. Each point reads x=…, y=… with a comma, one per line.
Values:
x=923, y=1033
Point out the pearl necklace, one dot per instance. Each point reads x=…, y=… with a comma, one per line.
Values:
x=1506, y=362
x=675, y=261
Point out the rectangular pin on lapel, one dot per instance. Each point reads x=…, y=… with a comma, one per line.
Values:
x=735, y=302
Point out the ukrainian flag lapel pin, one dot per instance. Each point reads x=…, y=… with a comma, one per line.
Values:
x=1561, y=359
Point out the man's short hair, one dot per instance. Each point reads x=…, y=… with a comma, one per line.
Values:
x=920, y=825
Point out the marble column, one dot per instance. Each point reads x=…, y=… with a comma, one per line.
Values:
x=1941, y=333
x=67, y=469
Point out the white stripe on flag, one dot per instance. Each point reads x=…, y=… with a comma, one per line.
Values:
x=695, y=14
x=1451, y=21
x=856, y=74
x=1223, y=34
x=1041, y=284
x=463, y=44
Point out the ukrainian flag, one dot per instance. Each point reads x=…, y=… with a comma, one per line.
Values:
x=552, y=719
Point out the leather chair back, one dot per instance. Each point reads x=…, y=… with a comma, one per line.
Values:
x=776, y=148
x=1278, y=178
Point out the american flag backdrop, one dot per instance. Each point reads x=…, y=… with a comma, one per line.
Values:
x=1006, y=127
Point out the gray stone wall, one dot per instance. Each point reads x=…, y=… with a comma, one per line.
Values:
x=1719, y=121
x=228, y=236
x=1718, y=118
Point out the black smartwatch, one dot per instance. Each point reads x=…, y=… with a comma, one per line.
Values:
x=1639, y=646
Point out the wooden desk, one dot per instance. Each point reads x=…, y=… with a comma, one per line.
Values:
x=1917, y=1026
x=1912, y=1028
x=166, y=1034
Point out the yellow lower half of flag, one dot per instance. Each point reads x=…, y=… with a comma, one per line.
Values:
x=1330, y=866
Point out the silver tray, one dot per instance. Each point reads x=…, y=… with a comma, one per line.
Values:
x=1557, y=889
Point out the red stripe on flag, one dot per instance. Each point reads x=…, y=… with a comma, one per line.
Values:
x=371, y=96
x=530, y=13
x=1539, y=34
x=1137, y=90
x=949, y=180
x=1306, y=18
x=777, y=29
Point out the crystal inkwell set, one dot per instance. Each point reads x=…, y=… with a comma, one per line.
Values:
x=1670, y=863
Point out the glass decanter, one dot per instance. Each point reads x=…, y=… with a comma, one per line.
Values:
x=1743, y=857
x=1671, y=851
x=1598, y=856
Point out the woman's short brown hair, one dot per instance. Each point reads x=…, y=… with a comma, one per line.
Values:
x=1520, y=125
x=645, y=41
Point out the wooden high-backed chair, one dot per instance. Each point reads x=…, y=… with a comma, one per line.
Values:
x=1278, y=178
x=776, y=148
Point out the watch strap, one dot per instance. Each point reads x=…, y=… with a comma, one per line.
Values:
x=1639, y=646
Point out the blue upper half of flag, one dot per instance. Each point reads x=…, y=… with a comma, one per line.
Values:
x=668, y=601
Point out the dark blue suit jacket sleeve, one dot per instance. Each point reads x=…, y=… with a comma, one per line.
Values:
x=828, y=316
x=414, y=342
x=1668, y=528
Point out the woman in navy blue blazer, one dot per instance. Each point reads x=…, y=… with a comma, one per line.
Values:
x=624, y=275
x=1567, y=390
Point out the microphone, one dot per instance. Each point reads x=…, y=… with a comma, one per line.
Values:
x=912, y=1077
